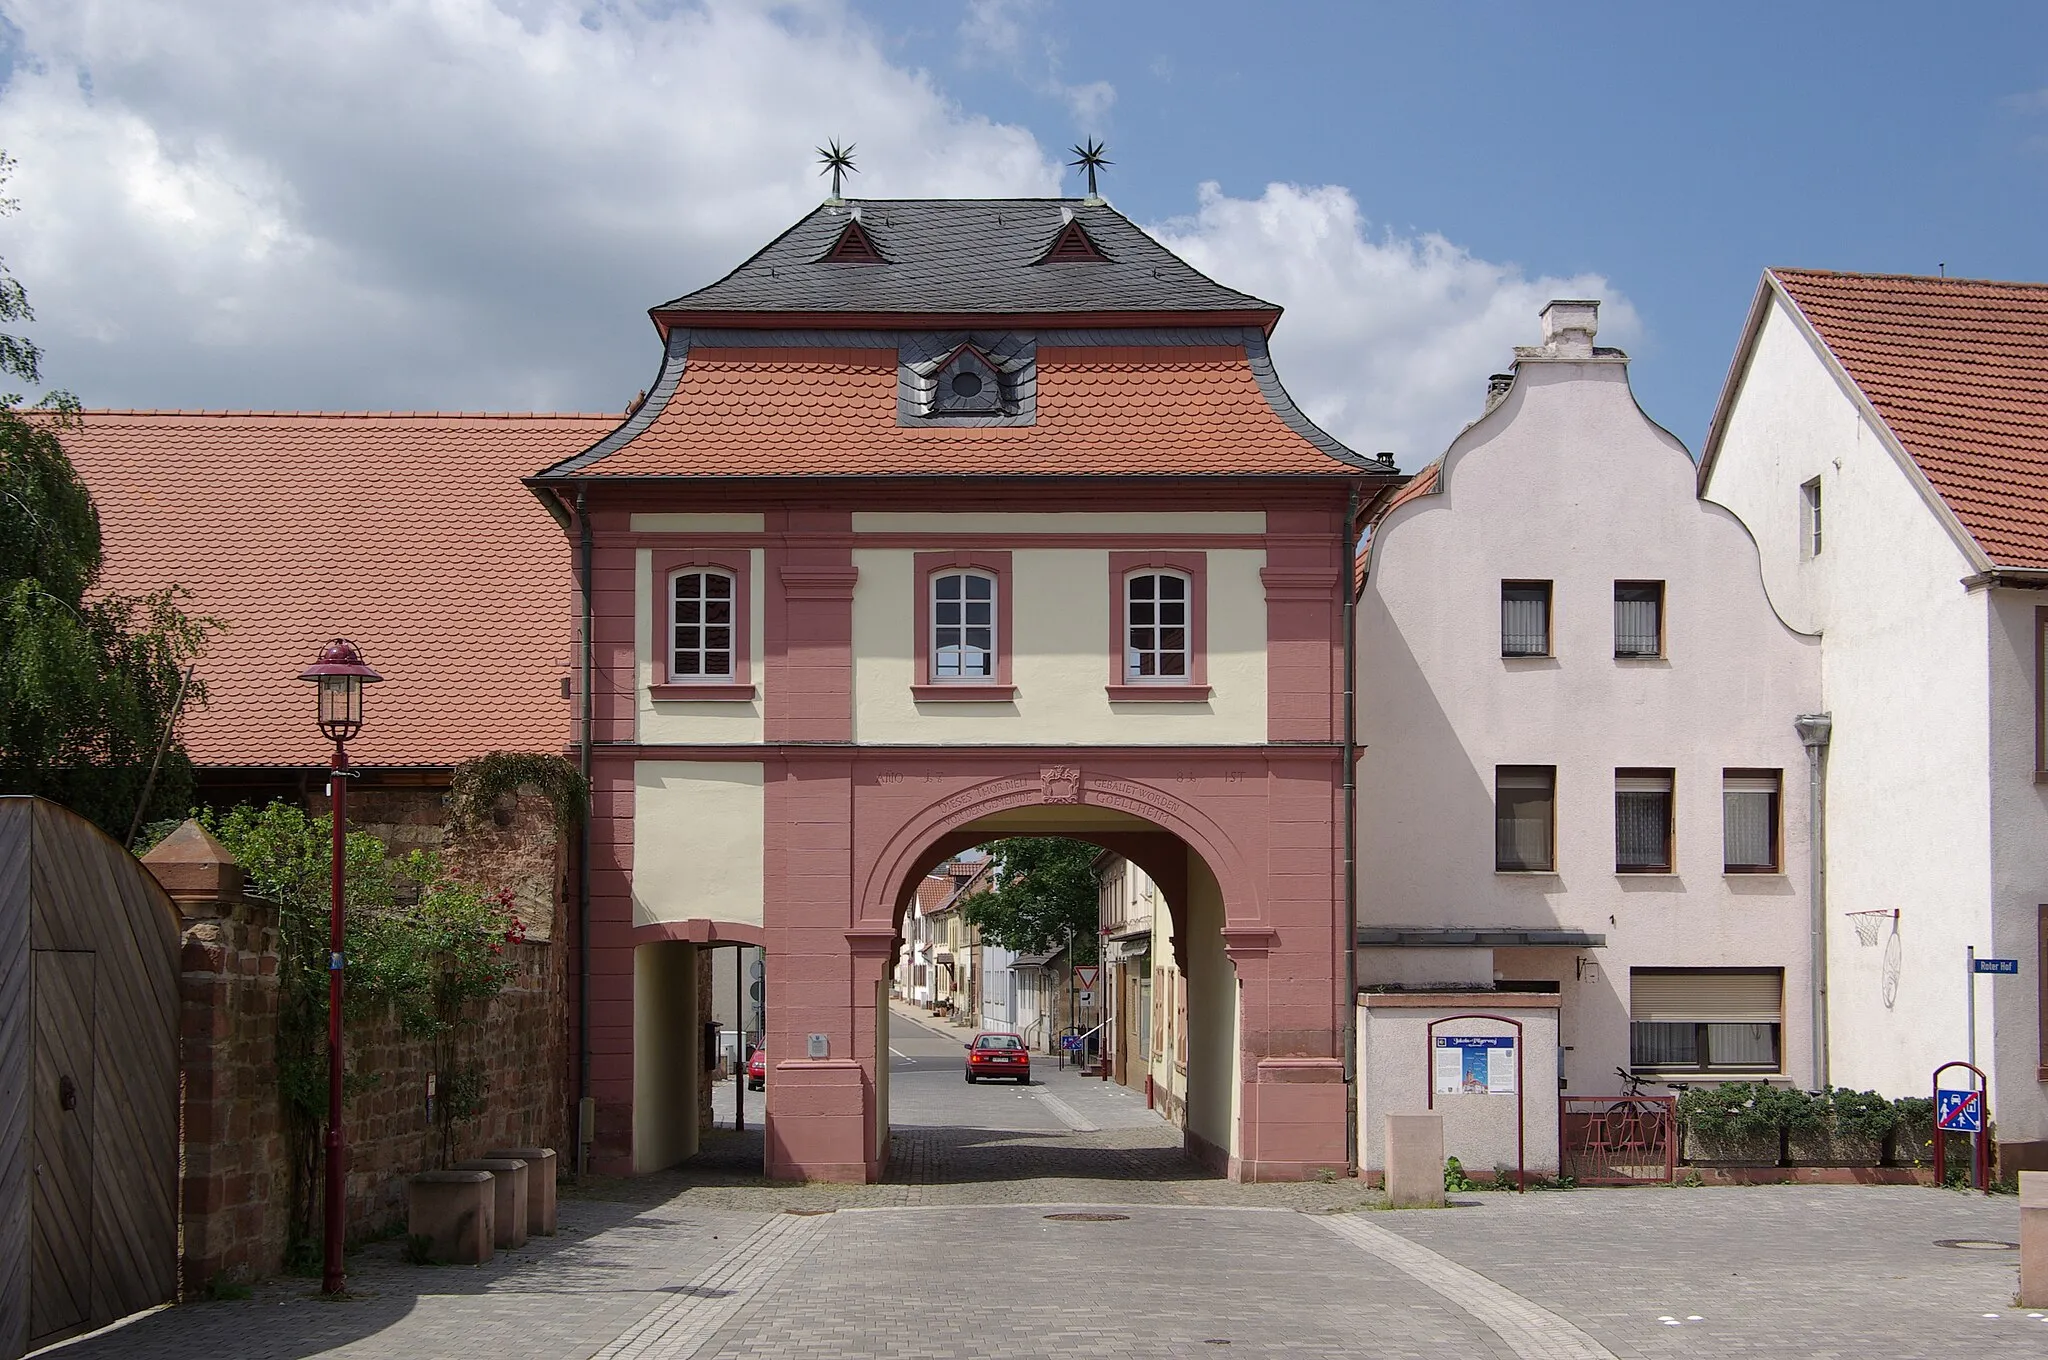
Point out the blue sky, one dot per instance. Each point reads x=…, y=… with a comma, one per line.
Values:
x=1677, y=151
x=469, y=204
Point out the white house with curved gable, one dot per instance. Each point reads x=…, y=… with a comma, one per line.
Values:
x=1583, y=782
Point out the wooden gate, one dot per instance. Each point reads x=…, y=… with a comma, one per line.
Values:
x=88, y=1079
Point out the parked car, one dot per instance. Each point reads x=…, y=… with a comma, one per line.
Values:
x=757, y=1067
x=998, y=1055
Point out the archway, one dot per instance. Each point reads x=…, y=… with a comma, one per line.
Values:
x=1266, y=1095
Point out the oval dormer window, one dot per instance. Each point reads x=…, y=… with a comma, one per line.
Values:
x=966, y=384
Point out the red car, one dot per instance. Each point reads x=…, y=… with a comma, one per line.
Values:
x=757, y=1067
x=998, y=1055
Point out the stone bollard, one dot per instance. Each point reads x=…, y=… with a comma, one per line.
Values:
x=540, y=1186
x=456, y=1211
x=1415, y=1161
x=509, y=1173
x=2034, y=1239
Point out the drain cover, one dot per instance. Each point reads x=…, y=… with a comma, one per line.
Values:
x=809, y=1213
x=1975, y=1244
x=1087, y=1218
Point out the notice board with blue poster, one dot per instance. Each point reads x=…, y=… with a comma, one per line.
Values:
x=1474, y=1065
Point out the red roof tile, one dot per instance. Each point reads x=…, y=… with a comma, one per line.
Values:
x=410, y=534
x=1102, y=411
x=1958, y=369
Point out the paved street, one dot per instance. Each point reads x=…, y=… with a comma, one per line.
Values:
x=957, y=1256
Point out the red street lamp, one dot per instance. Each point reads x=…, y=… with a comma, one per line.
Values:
x=340, y=673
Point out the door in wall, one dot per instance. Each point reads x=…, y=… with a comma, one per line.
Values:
x=60, y=1254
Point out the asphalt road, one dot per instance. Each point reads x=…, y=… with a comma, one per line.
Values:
x=928, y=1086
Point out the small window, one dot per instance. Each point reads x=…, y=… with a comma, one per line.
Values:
x=1525, y=618
x=1642, y=821
x=1809, y=519
x=963, y=626
x=1639, y=618
x=1524, y=818
x=1749, y=821
x=701, y=626
x=1706, y=1019
x=967, y=384
x=1156, y=627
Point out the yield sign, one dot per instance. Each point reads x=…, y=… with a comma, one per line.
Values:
x=1085, y=977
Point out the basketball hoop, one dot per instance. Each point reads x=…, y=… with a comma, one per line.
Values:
x=1870, y=925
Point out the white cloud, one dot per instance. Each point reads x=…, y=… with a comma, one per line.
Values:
x=1387, y=339
x=432, y=202
x=1018, y=36
x=466, y=204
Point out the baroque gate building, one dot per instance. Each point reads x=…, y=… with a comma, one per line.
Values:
x=944, y=521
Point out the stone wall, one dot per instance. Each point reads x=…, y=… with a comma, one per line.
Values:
x=234, y=1156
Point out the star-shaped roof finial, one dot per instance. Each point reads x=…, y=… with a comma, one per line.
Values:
x=838, y=163
x=1088, y=156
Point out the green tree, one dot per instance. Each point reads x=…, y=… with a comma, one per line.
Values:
x=89, y=679
x=1045, y=893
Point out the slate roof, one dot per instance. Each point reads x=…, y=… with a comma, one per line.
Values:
x=962, y=257
x=410, y=534
x=1958, y=371
x=1102, y=410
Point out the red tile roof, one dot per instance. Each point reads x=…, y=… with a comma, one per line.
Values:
x=1102, y=410
x=1958, y=369
x=410, y=534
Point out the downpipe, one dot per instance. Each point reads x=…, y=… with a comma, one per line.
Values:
x=1346, y=568
x=585, y=1114
x=1816, y=730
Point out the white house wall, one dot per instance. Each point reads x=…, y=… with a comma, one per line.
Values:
x=1567, y=481
x=1905, y=677
x=2019, y=879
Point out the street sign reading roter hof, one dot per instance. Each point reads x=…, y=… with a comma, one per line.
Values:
x=2008, y=967
x=1959, y=1111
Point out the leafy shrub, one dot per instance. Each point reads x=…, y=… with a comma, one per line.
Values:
x=1455, y=1177
x=1860, y=1114
x=1735, y=1110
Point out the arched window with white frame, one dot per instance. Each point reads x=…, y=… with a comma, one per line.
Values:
x=701, y=625
x=1157, y=633
x=964, y=641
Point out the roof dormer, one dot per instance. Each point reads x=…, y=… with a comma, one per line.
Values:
x=967, y=384
x=854, y=246
x=1073, y=245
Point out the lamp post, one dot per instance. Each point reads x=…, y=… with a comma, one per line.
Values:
x=340, y=673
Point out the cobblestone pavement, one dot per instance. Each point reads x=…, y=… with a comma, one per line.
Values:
x=955, y=1256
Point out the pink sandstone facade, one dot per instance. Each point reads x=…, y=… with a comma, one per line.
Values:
x=787, y=779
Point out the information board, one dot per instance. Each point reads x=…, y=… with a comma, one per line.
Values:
x=1474, y=1065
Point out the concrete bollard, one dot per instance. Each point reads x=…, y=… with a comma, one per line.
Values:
x=509, y=1177
x=2034, y=1239
x=456, y=1211
x=1415, y=1161
x=540, y=1186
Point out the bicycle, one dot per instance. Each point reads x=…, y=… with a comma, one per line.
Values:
x=1629, y=1125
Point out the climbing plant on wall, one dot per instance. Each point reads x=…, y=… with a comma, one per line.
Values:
x=478, y=784
x=420, y=947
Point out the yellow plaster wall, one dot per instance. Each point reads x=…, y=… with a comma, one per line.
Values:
x=698, y=841
x=1055, y=522
x=714, y=522
x=1212, y=1094
x=678, y=722
x=666, y=1051
x=1060, y=645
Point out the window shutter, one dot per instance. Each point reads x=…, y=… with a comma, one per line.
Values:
x=1707, y=996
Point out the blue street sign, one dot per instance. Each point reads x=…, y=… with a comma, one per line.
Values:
x=1996, y=965
x=1959, y=1111
x=1070, y=1042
